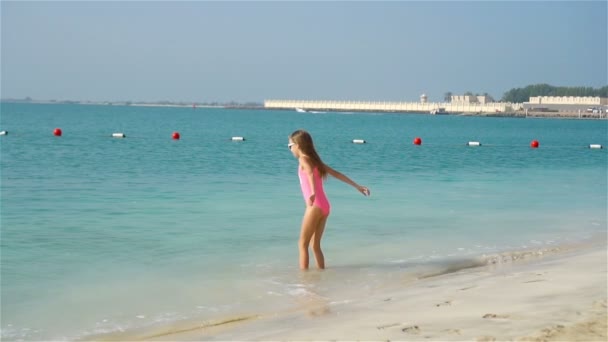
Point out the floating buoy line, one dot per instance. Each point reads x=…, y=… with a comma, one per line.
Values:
x=58, y=132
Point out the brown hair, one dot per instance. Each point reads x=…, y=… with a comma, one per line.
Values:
x=304, y=141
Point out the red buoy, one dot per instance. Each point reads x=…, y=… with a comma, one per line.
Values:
x=175, y=135
x=417, y=141
x=57, y=132
x=534, y=144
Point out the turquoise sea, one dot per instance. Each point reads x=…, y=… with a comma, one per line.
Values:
x=103, y=235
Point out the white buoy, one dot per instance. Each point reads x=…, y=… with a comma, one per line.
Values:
x=595, y=146
x=238, y=139
x=358, y=141
x=119, y=135
x=474, y=143
x=3, y=132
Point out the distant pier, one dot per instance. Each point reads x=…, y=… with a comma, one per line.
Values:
x=383, y=106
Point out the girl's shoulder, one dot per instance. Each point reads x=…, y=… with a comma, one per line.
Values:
x=306, y=162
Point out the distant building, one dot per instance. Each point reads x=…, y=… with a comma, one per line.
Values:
x=593, y=104
x=569, y=100
x=423, y=98
x=471, y=99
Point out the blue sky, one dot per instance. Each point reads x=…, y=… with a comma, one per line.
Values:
x=251, y=51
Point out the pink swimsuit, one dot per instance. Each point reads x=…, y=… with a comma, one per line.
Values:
x=321, y=201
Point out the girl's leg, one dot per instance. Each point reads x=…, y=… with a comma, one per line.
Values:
x=310, y=222
x=316, y=242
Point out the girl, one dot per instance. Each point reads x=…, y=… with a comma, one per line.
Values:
x=311, y=172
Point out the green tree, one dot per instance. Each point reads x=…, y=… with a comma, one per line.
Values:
x=523, y=94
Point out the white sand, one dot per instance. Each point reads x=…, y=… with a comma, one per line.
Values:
x=556, y=298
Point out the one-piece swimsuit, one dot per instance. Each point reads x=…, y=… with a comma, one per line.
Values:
x=320, y=198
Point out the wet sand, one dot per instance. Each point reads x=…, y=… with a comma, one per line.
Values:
x=559, y=297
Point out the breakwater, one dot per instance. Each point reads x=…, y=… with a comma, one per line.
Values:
x=385, y=106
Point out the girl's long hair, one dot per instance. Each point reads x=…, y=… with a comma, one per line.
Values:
x=304, y=141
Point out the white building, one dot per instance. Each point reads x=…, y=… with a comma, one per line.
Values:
x=569, y=100
x=581, y=104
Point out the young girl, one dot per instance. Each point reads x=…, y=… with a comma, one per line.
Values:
x=311, y=172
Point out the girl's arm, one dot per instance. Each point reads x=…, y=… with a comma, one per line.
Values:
x=362, y=189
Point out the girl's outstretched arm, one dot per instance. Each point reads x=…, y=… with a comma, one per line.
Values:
x=362, y=189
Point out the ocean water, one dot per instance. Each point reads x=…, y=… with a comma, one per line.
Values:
x=105, y=236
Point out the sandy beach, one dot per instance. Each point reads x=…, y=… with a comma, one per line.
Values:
x=555, y=295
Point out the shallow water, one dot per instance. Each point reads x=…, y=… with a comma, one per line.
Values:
x=102, y=235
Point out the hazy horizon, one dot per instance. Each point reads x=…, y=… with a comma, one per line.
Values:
x=253, y=51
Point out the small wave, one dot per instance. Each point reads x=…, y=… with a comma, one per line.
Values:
x=512, y=256
x=165, y=331
x=451, y=267
x=299, y=292
x=434, y=268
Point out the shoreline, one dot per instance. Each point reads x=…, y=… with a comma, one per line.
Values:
x=514, y=115
x=557, y=293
